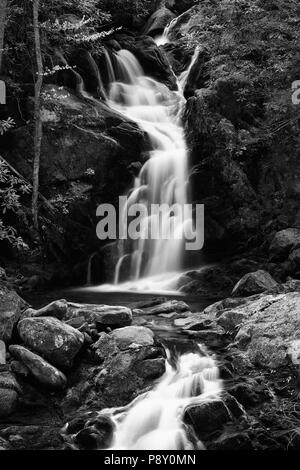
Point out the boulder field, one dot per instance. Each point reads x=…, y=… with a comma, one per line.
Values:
x=63, y=363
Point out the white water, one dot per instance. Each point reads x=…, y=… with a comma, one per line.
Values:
x=163, y=177
x=153, y=421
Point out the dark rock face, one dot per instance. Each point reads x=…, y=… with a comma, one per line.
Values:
x=216, y=179
x=158, y=21
x=211, y=415
x=43, y=372
x=137, y=335
x=57, y=309
x=93, y=431
x=284, y=242
x=9, y=393
x=10, y=310
x=152, y=58
x=130, y=13
x=254, y=283
x=103, y=316
x=55, y=340
x=233, y=441
x=271, y=348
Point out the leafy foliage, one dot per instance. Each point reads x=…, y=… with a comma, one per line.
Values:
x=11, y=189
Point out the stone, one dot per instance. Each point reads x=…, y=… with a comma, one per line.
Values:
x=57, y=309
x=270, y=336
x=283, y=243
x=294, y=258
x=9, y=393
x=211, y=415
x=102, y=315
x=213, y=338
x=254, y=283
x=105, y=347
x=93, y=431
x=55, y=340
x=294, y=351
x=2, y=352
x=232, y=441
x=20, y=369
x=10, y=310
x=249, y=393
x=158, y=21
x=170, y=306
x=231, y=319
x=41, y=370
x=131, y=336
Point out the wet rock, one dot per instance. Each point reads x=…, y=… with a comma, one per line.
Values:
x=171, y=306
x=10, y=310
x=211, y=415
x=249, y=393
x=41, y=370
x=294, y=351
x=213, y=338
x=57, y=309
x=294, y=258
x=105, y=347
x=232, y=441
x=254, y=283
x=132, y=336
x=271, y=329
x=231, y=319
x=124, y=375
x=283, y=242
x=9, y=393
x=102, y=315
x=76, y=322
x=93, y=431
x=4, y=445
x=152, y=58
x=198, y=74
x=158, y=21
x=20, y=369
x=55, y=340
x=2, y=353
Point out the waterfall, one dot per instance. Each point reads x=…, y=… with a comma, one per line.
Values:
x=154, y=421
x=163, y=178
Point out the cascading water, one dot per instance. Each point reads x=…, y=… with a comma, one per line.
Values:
x=154, y=421
x=163, y=178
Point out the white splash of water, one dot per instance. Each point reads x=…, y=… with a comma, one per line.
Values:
x=163, y=178
x=154, y=421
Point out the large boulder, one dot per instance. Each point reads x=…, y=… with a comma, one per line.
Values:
x=171, y=306
x=57, y=309
x=158, y=21
x=41, y=370
x=269, y=336
x=151, y=57
x=55, y=340
x=209, y=416
x=284, y=242
x=103, y=316
x=10, y=310
x=133, y=336
x=254, y=283
x=9, y=393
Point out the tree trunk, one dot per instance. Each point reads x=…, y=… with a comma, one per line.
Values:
x=3, y=11
x=38, y=128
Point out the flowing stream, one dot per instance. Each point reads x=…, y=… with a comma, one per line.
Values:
x=162, y=179
x=154, y=421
